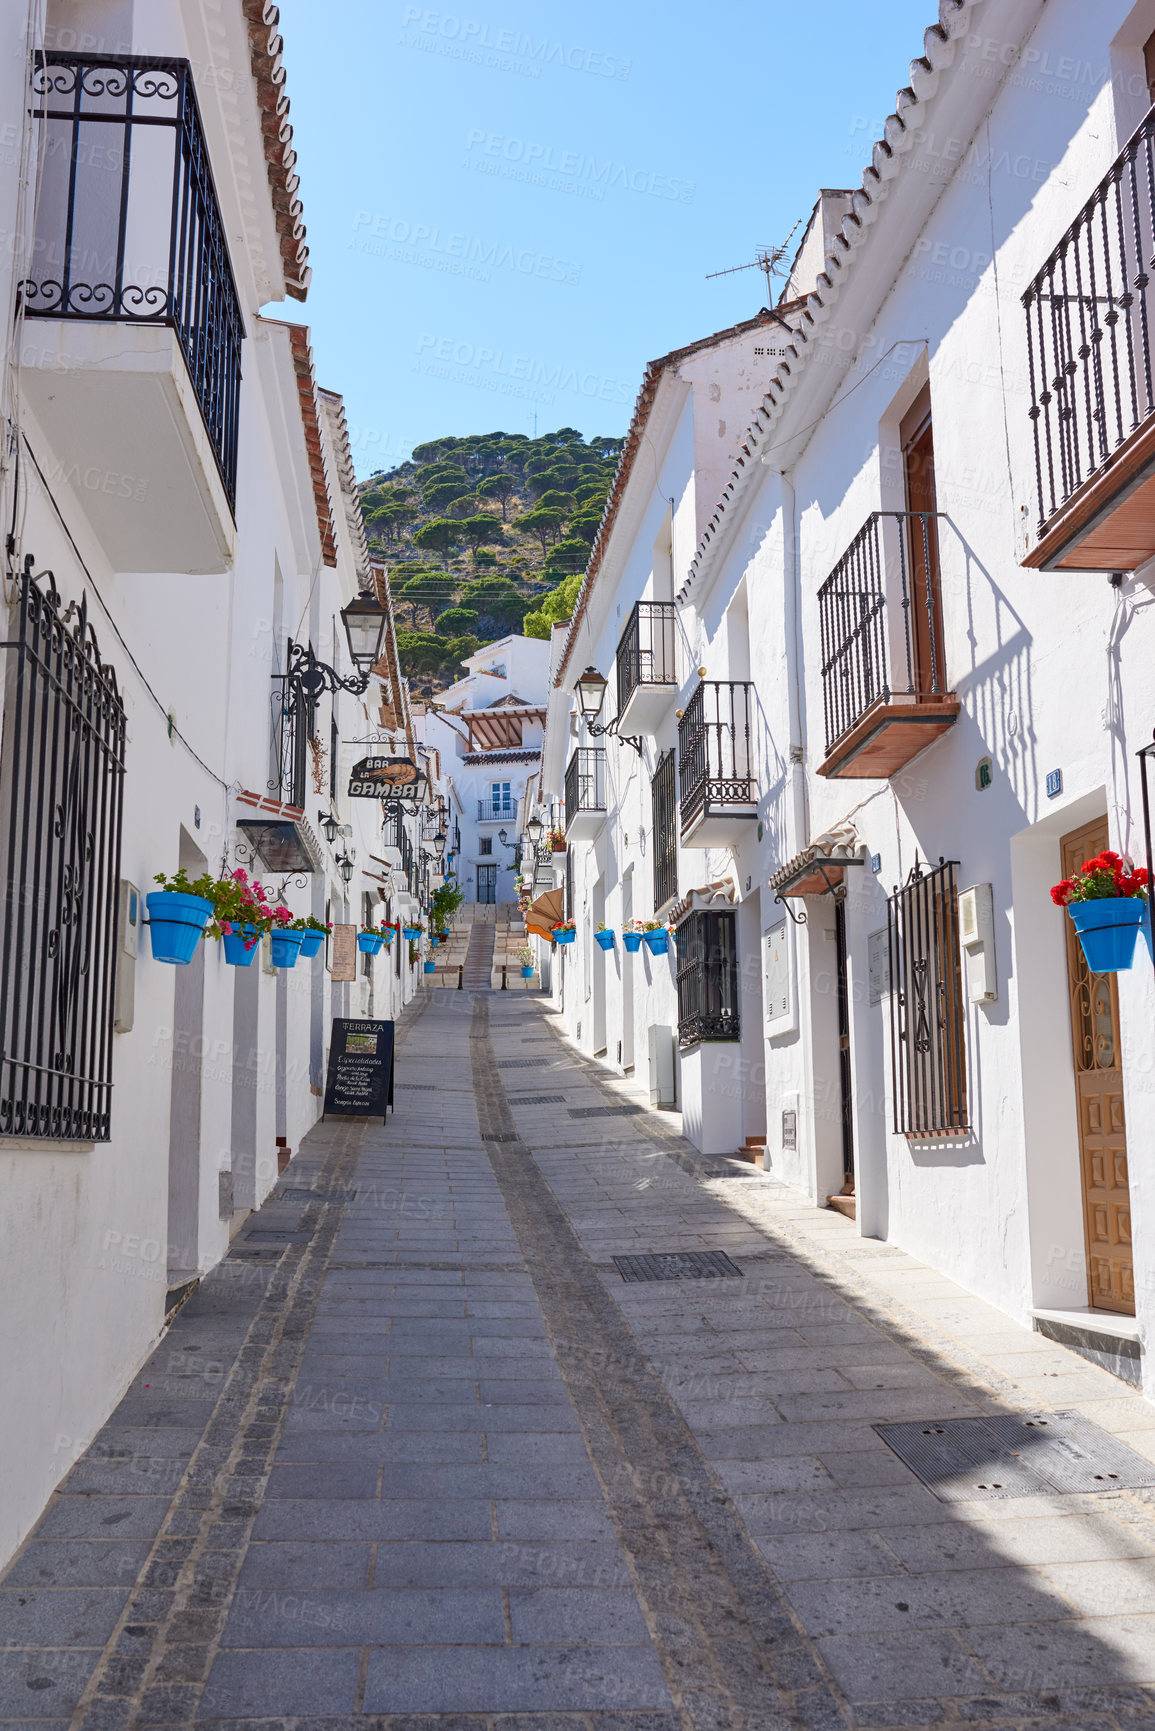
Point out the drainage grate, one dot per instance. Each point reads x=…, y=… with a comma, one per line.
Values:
x=605, y=1111
x=503, y=1136
x=270, y=1237
x=537, y=1099
x=678, y=1265
x=418, y=1087
x=519, y=1063
x=1028, y=1455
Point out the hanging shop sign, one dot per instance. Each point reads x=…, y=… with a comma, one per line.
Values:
x=374, y=776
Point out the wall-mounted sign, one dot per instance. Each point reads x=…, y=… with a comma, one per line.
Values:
x=360, y=1079
x=789, y=1128
x=1054, y=783
x=343, y=953
x=374, y=776
x=878, y=964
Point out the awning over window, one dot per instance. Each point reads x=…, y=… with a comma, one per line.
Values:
x=543, y=914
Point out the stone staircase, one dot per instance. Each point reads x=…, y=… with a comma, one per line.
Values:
x=486, y=938
x=479, y=958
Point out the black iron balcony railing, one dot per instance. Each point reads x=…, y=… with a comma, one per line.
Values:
x=128, y=227
x=495, y=810
x=393, y=830
x=1089, y=317
x=895, y=551
x=585, y=782
x=646, y=652
x=716, y=748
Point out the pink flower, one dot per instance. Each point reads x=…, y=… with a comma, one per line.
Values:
x=282, y=916
x=226, y=928
x=266, y=910
x=241, y=875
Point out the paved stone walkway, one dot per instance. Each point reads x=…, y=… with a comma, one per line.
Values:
x=416, y=1456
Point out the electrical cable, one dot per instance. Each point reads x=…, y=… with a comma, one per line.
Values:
x=174, y=730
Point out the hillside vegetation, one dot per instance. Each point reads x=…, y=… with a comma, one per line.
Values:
x=485, y=535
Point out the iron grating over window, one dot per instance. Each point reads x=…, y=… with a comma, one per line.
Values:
x=927, y=1045
x=664, y=806
x=678, y=1265
x=62, y=790
x=707, y=978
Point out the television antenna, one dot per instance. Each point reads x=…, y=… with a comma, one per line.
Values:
x=767, y=259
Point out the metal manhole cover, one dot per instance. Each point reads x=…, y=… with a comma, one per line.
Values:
x=537, y=1099
x=1015, y=1455
x=678, y=1265
x=605, y=1111
x=502, y=1136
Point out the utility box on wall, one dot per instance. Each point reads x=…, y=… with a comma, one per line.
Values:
x=778, y=995
x=663, y=1071
x=976, y=923
x=124, y=1002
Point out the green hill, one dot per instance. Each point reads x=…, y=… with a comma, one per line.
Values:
x=485, y=535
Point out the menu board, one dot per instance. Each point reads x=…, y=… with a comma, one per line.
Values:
x=360, y=1079
x=343, y=953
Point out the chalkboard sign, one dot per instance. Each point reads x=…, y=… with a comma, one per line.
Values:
x=360, y=1079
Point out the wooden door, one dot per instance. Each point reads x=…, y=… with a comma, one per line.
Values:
x=1099, y=1104
x=927, y=675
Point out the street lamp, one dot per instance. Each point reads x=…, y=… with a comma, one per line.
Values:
x=345, y=867
x=439, y=841
x=364, y=621
x=533, y=831
x=591, y=695
x=330, y=826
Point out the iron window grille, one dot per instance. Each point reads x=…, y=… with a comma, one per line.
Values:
x=585, y=782
x=715, y=748
x=927, y=1044
x=128, y=222
x=707, y=978
x=889, y=552
x=63, y=779
x=1089, y=329
x=664, y=806
x=646, y=652
x=393, y=829
x=295, y=704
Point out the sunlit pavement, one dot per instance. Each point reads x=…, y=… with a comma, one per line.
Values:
x=417, y=1453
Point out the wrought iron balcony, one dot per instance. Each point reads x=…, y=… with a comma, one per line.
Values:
x=496, y=811
x=1089, y=351
x=647, y=667
x=719, y=792
x=392, y=834
x=879, y=609
x=129, y=234
x=585, y=793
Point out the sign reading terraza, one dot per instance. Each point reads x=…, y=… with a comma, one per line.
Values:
x=373, y=776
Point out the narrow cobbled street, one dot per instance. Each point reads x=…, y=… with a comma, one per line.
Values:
x=418, y=1454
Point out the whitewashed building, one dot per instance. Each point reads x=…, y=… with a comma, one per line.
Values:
x=487, y=729
x=911, y=640
x=184, y=534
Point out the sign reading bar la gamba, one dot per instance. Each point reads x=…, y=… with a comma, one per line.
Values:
x=360, y=1079
x=373, y=777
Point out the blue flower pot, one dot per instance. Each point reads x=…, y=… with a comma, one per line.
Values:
x=236, y=953
x=605, y=939
x=527, y=973
x=176, y=924
x=369, y=942
x=311, y=942
x=632, y=941
x=564, y=937
x=431, y=967
x=412, y=933
x=286, y=947
x=1108, y=931
x=657, y=942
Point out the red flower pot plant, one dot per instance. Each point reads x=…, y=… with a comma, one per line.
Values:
x=1107, y=902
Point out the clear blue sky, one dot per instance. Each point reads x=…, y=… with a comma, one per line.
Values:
x=512, y=207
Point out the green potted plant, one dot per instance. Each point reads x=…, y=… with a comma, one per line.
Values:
x=241, y=916
x=604, y=935
x=557, y=840
x=315, y=932
x=1107, y=902
x=369, y=940
x=655, y=936
x=526, y=958
x=564, y=932
x=178, y=913
x=632, y=936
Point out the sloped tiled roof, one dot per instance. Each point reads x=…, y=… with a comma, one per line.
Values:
x=265, y=46
x=307, y=392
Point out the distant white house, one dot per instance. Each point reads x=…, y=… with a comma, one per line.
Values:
x=488, y=729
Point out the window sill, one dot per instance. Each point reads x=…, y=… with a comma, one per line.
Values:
x=43, y=1145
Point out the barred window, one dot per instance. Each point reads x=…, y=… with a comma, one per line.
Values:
x=927, y=1046
x=707, y=978
x=61, y=794
x=664, y=803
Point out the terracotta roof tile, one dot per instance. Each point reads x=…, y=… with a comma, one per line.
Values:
x=265, y=45
x=310, y=420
